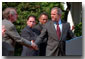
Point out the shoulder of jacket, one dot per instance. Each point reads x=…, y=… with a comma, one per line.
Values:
x=65, y=22
x=48, y=22
x=8, y=24
x=36, y=26
x=24, y=29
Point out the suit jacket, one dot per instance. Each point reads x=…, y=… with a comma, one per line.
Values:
x=39, y=27
x=11, y=36
x=42, y=46
x=55, y=47
x=29, y=34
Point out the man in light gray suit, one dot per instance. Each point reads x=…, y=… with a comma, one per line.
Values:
x=11, y=35
x=57, y=32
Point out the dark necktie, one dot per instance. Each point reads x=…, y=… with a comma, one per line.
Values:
x=58, y=32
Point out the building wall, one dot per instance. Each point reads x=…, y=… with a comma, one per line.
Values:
x=76, y=12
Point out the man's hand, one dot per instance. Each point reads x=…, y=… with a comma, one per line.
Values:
x=3, y=30
x=34, y=46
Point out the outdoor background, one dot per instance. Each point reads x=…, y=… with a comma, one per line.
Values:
x=25, y=9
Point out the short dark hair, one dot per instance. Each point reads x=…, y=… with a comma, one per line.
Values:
x=43, y=13
x=31, y=16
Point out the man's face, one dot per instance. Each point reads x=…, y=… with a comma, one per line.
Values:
x=14, y=16
x=54, y=15
x=31, y=22
x=43, y=19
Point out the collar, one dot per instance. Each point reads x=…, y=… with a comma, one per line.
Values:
x=59, y=22
x=29, y=27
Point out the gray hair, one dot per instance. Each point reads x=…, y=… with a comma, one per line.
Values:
x=58, y=9
x=8, y=11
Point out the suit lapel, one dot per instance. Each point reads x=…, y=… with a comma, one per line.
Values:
x=63, y=27
x=29, y=30
x=54, y=31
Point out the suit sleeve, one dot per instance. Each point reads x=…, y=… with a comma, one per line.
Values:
x=27, y=35
x=12, y=33
x=70, y=33
x=41, y=37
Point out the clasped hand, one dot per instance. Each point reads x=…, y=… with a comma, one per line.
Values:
x=34, y=46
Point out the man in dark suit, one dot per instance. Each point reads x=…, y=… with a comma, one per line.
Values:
x=29, y=33
x=11, y=35
x=43, y=18
x=57, y=32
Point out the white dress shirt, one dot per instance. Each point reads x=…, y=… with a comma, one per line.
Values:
x=60, y=25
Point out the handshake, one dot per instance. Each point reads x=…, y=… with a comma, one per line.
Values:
x=34, y=46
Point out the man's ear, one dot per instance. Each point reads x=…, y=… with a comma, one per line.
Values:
x=27, y=21
x=39, y=20
x=10, y=15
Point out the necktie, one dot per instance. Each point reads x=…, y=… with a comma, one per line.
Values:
x=58, y=32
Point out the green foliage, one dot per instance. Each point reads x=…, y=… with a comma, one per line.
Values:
x=78, y=29
x=25, y=9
